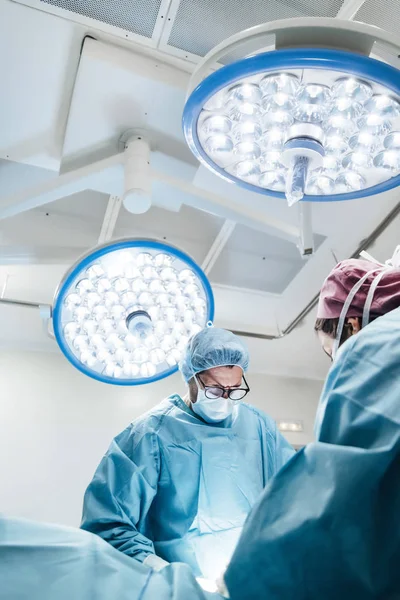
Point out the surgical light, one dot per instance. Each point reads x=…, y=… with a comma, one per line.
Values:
x=124, y=313
x=275, y=122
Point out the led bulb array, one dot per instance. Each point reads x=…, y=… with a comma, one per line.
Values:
x=128, y=314
x=252, y=121
x=244, y=128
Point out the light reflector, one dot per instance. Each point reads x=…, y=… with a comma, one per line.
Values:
x=124, y=313
x=269, y=103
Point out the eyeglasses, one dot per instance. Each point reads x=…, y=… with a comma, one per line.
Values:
x=216, y=391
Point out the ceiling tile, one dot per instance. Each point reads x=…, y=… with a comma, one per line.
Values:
x=385, y=15
x=191, y=230
x=199, y=26
x=258, y=261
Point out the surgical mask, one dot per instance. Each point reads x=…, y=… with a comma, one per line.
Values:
x=212, y=410
x=380, y=270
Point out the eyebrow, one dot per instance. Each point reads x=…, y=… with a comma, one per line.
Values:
x=216, y=383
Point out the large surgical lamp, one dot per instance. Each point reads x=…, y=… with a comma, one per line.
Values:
x=313, y=117
x=124, y=313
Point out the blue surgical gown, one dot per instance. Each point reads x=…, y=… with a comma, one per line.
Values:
x=327, y=526
x=50, y=562
x=182, y=488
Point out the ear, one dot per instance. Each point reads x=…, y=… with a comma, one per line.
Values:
x=355, y=324
x=192, y=390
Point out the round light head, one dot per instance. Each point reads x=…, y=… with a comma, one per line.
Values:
x=242, y=114
x=124, y=313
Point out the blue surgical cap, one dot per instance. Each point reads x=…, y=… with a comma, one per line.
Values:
x=210, y=348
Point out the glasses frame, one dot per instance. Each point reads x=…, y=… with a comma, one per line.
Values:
x=225, y=391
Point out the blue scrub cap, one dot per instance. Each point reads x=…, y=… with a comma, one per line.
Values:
x=210, y=348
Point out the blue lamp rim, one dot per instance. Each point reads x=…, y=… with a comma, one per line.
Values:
x=97, y=253
x=361, y=67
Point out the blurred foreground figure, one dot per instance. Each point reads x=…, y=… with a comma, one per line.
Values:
x=327, y=524
x=50, y=562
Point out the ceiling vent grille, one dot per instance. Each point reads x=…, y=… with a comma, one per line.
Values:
x=385, y=15
x=141, y=21
x=134, y=16
x=199, y=25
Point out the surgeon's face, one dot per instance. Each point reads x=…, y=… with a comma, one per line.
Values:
x=223, y=377
x=351, y=327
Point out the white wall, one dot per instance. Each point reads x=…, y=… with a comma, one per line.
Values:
x=55, y=425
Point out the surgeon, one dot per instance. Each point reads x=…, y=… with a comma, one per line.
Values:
x=179, y=482
x=327, y=525
x=354, y=294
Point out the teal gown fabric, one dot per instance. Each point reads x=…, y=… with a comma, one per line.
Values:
x=182, y=488
x=327, y=526
x=51, y=562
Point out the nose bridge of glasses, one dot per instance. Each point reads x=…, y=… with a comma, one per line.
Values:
x=223, y=392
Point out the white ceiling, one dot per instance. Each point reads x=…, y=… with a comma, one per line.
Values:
x=67, y=99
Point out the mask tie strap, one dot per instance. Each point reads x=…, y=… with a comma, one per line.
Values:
x=366, y=256
x=346, y=307
x=370, y=296
x=392, y=263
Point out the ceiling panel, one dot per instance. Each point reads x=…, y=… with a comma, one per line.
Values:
x=89, y=206
x=384, y=14
x=16, y=177
x=116, y=91
x=138, y=17
x=200, y=25
x=138, y=20
x=258, y=261
x=58, y=232
x=191, y=230
x=38, y=60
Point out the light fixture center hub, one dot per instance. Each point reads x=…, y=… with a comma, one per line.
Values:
x=139, y=324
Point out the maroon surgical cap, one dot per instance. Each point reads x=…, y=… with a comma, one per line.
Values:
x=343, y=278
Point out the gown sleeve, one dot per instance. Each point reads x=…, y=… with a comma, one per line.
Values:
x=120, y=494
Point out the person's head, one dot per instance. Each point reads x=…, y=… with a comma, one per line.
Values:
x=327, y=330
x=213, y=367
x=355, y=293
x=218, y=382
